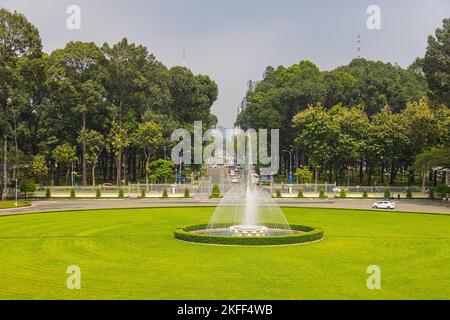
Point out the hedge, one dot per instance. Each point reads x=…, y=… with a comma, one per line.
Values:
x=309, y=235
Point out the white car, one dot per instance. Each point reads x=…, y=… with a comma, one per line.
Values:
x=384, y=205
x=235, y=180
x=232, y=173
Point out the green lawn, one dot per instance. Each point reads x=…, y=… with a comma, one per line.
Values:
x=11, y=204
x=131, y=254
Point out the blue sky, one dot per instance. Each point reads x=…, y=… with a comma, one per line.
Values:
x=235, y=40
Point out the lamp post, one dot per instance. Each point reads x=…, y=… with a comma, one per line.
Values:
x=290, y=165
x=15, y=167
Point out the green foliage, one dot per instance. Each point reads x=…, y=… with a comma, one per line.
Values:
x=121, y=193
x=160, y=170
x=322, y=194
x=39, y=167
x=304, y=175
x=165, y=194
x=365, y=194
x=72, y=193
x=278, y=193
x=436, y=62
x=98, y=193
x=308, y=235
x=216, y=191
x=387, y=193
x=143, y=193
x=48, y=193
x=27, y=186
x=343, y=194
x=187, y=193
x=300, y=194
x=409, y=194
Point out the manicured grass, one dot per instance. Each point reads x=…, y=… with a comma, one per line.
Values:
x=132, y=254
x=11, y=204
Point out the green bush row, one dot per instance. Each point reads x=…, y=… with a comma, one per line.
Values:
x=309, y=235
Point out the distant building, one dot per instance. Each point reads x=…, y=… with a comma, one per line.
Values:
x=251, y=87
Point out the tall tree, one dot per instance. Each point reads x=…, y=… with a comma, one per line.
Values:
x=19, y=40
x=436, y=65
x=149, y=137
x=95, y=143
x=79, y=70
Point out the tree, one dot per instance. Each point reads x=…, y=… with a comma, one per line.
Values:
x=66, y=155
x=160, y=170
x=436, y=65
x=120, y=140
x=149, y=137
x=433, y=158
x=94, y=144
x=19, y=40
x=39, y=167
x=304, y=175
x=79, y=69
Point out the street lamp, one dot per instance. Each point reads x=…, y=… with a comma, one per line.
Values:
x=290, y=165
x=15, y=167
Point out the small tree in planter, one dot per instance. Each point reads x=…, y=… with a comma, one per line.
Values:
x=322, y=194
x=387, y=193
x=216, y=191
x=121, y=194
x=72, y=194
x=187, y=193
x=165, y=193
x=300, y=194
x=343, y=194
x=98, y=193
x=365, y=194
x=409, y=194
x=48, y=193
x=143, y=193
x=278, y=193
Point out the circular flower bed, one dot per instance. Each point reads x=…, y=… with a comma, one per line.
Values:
x=301, y=234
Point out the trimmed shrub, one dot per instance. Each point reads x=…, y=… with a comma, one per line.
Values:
x=121, y=194
x=409, y=194
x=387, y=193
x=365, y=194
x=73, y=194
x=300, y=194
x=343, y=194
x=165, y=194
x=143, y=194
x=98, y=193
x=187, y=193
x=322, y=194
x=278, y=193
x=216, y=191
x=48, y=193
x=308, y=235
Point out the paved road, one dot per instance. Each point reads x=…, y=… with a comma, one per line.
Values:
x=70, y=205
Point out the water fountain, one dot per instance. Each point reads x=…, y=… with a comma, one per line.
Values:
x=248, y=215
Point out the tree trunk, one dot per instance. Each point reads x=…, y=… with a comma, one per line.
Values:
x=93, y=175
x=424, y=181
x=5, y=167
x=119, y=169
x=85, y=182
